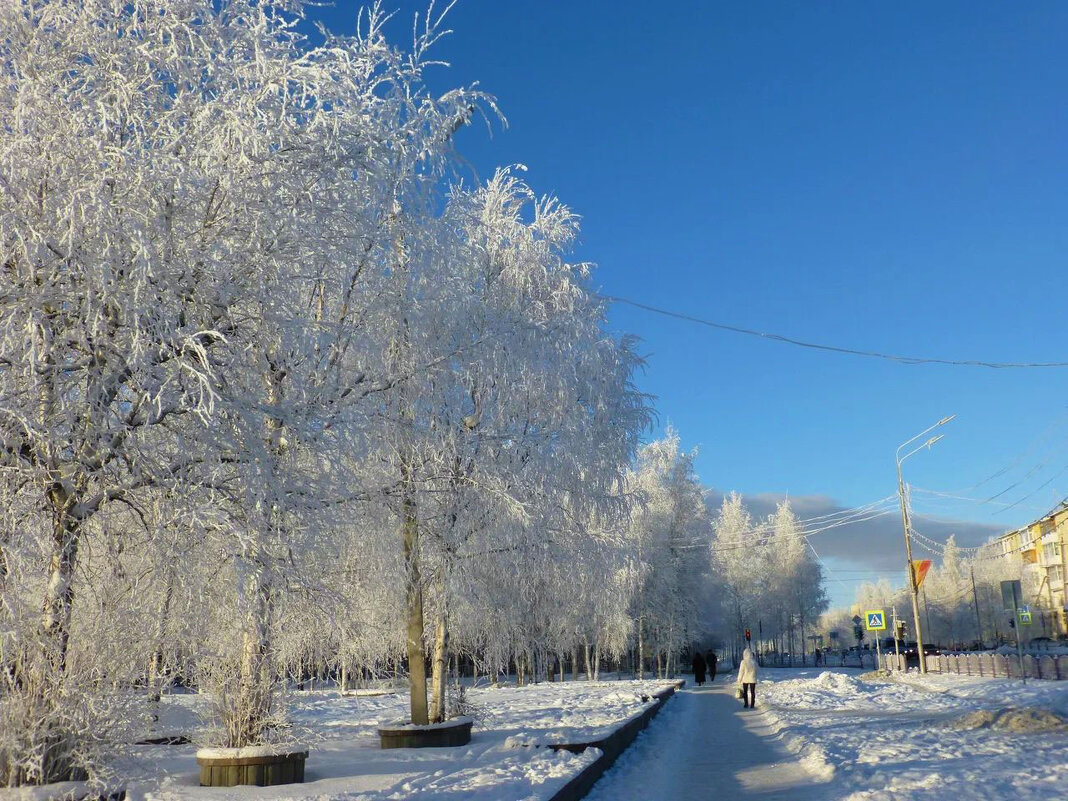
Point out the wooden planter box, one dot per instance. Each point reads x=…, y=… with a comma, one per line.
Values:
x=228, y=767
x=450, y=734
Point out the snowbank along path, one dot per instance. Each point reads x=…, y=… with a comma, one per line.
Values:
x=704, y=741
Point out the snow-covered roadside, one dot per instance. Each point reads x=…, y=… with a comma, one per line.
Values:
x=923, y=737
x=505, y=761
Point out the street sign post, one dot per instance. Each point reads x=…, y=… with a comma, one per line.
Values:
x=899, y=635
x=1011, y=595
x=875, y=620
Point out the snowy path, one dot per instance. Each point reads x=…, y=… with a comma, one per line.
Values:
x=705, y=739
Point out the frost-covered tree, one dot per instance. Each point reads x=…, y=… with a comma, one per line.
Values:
x=737, y=553
x=668, y=533
x=794, y=586
x=524, y=405
x=772, y=581
x=196, y=204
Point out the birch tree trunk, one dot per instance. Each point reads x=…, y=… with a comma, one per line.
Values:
x=439, y=666
x=59, y=593
x=256, y=680
x=413, y=600
x=641, y=648
x=155, y=665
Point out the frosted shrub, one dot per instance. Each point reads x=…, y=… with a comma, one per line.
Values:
x=44, y=739
x=237, y=719
x=460, y=705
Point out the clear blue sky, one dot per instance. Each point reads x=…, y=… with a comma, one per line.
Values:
x=886, y=177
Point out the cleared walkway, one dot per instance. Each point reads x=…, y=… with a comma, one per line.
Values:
x=705, y=744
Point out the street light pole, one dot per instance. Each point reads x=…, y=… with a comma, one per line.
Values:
x=913, y=589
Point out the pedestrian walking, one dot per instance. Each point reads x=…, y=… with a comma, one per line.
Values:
x=747, y=678
x=698, y=668
x=710, y=661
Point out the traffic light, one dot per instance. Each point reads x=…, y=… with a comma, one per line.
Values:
x=899, y=630
x=748, y=636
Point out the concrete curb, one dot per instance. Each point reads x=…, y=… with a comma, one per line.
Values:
x=611, y=747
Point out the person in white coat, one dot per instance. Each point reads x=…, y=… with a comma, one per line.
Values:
x=747, y=678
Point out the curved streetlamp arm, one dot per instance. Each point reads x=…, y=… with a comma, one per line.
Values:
x=927, y=430
x=916, y=450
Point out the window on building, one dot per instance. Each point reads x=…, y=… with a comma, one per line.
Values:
x=1056, y=574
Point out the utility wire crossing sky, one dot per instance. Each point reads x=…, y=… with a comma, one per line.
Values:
x=833, y=348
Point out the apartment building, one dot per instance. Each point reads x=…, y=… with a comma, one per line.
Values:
x=1041, y=547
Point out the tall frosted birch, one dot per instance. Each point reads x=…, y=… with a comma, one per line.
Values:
x=190, y=194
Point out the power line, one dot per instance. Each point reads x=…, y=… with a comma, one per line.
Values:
x=833, y=348
x=1043, y=438
x=751, y=538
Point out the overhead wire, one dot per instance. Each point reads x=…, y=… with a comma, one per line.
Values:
x=1044, y=437
x=937, y=495
x=747, y=540
x=1052, y=448
x=841, y=514
x=1037, y=489
x=767, y=335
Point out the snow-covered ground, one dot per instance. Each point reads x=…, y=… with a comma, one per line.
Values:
x=847, y=735
x=817, y=735
x=506, y=760
x=923, y=737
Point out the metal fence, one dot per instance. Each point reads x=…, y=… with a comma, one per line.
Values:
x=1053, y=668
x=863, y=659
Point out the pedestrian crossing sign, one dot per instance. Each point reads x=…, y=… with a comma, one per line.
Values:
x=875, y=620
x=1025, y=616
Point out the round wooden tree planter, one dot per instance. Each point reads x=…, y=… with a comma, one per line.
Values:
x=449, y=734
x=259, y=766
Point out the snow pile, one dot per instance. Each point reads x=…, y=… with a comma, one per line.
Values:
x=521, y=741
x=1017, y=721
x=915, y=738
x=828, y=690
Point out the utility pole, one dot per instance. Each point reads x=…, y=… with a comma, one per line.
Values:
x=911, y=573
x=897, y=639
x=913, y=589
x=978, y=620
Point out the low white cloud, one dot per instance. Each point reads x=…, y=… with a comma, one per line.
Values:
x=876, y=543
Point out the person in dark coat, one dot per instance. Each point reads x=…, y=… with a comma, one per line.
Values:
x=710, y=661
x=699, y=668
